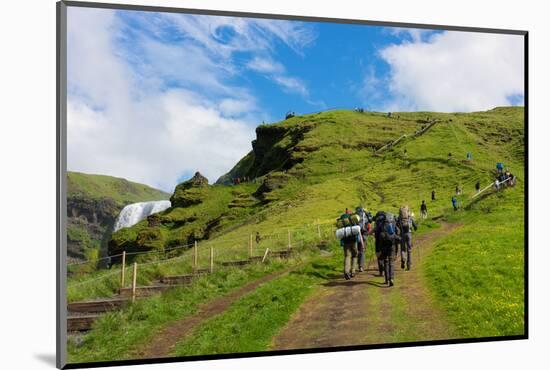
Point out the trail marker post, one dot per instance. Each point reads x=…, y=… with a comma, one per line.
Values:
x=196, y=256
x=289, y=241
x=122, y=272
x=211, y=259
x=265, y=255
x=134, y=280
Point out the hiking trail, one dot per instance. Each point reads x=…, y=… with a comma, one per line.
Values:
x=163, y=342
x=365, y=311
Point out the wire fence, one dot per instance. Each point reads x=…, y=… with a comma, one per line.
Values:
x=206, y=256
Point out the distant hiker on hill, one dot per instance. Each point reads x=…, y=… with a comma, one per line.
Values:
x=258, y=237
x=424, y=210
x=450, y=155
x=458, y=190
x=478, y=186
x=469, y=156
x=389, y=114
x=455, y=203
x=433, y=194
x=405, y=223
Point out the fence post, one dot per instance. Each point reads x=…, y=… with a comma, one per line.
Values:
x=289, y=241
x=196, y=257
x=122, y=272
x=134, y=279
x=265, y=255
x=211, y=259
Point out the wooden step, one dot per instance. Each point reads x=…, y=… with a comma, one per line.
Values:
x=177, y=279
x=80, y=322
x=97, y=306
x=236, y=263
x=281, y=254
x=144, y=291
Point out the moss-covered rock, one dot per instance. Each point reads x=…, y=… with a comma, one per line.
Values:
x=190, y=192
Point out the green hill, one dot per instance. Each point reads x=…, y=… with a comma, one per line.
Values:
x=305, y=171
x=311, y=167
x=93, y=203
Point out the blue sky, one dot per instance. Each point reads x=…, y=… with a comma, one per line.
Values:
x=155, y=97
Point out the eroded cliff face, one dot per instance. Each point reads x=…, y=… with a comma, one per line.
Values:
x=274, y=149
x=89, y=223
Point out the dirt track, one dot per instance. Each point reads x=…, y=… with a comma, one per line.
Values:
x=167, y=338
x=365, y=311
x=341, y=313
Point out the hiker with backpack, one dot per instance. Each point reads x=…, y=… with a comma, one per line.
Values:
x=455, y=202
x=405, y=224
x=433, y=194
x=349, y=233
x=424, y=210
x=365, y=220
x=478, y=186
x=388, y=235
x=379, y=219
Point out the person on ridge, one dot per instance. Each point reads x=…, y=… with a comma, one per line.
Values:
x=455, y=203
x=424, y=210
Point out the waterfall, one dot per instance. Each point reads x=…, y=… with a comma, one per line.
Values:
x=135, y=212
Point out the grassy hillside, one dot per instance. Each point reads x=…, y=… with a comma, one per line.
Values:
x=308, y=169
x=93, y=203
x=120, y=190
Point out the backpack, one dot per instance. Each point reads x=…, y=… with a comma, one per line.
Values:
x=389, y=226
x=346, y=220
x=388, y=232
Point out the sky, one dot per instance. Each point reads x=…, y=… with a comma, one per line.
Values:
x=155, y=97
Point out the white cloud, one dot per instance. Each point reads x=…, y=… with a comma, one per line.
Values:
x=124, y=122
x=292, y=85
x=265, y=65
x=455, y=71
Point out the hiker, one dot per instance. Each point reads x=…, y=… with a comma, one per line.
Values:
x=500, y=167
x=455, y=203
x=497, y=184
x=405, y=223
x=469, y=156
x=379, y=219
x=478, y=186
x=424, y=210
x=388, y=239
x=365, y=220
x=405, y=152
x=450, y=155
x=258, y=237
x=433, y=194
x=389, y=114
x=458, y=190
x=349, y=233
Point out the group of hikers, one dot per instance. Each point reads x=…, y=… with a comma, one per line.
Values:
x=504, y=177
x=391, y=234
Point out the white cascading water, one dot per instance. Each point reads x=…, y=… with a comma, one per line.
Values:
x=135, y=212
